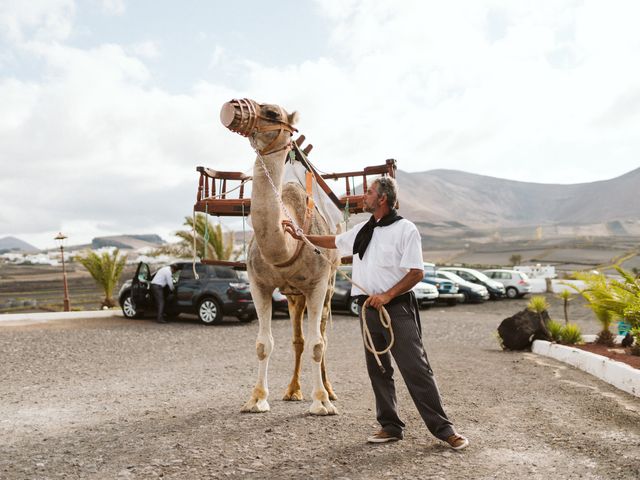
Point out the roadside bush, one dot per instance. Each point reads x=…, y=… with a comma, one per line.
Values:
x=555, y=329
x=612, y=299
x=538, y=304
x=635, y=348
x=570, y=334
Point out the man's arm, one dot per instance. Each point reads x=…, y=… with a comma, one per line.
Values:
x=405, y=284
x=322, y=241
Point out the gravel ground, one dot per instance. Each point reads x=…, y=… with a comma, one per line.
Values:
x=115, y=398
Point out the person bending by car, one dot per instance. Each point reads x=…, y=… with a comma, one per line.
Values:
x=161, y=280
x=387, y=263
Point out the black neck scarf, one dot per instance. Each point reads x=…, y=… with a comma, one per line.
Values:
x=366, y=232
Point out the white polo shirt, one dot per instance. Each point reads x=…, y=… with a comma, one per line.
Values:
x=392, y=252
x=163, y=278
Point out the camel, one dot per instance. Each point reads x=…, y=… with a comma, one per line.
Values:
x=276, y=260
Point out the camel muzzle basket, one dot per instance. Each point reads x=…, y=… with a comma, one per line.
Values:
x=240, y=116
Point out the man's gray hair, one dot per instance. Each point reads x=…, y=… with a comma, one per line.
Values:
x=389, y=186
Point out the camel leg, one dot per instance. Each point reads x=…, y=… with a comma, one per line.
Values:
x=296, y=313
x=326, y=311
x=264, y=346
x=321, y=404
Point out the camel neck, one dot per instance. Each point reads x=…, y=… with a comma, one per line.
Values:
x=266, y=212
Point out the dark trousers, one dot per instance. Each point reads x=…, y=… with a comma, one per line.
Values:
x=158, y=295
x=411, y=358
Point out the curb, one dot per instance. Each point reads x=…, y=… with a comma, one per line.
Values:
x=37, y=317
x=618, y=374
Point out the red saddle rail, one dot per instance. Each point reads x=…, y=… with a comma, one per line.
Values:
x=227, y=199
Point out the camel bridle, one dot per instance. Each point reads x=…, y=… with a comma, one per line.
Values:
x=241, y=116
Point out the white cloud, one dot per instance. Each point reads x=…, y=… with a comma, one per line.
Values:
x=44, y=20
x=535, y=92
x=148, y=49
x=113, y=7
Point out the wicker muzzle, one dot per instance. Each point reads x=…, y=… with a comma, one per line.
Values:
x=240, y=116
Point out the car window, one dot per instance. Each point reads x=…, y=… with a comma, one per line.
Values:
x=143, y=273
x=186, y=273
x=480, y=277
x=467, y=276
x=491, y=274
x=243, y=275
x=506, y=275
x=225, y=272
x=429, y=271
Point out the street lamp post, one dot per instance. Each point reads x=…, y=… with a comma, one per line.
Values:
x=60, y=238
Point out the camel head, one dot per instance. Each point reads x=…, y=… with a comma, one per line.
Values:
x=269, y=126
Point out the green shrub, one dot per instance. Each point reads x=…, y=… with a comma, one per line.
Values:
x=538, y=304
x=555, y=329
x=570, y=334
x=635, y=348
x=620, y=298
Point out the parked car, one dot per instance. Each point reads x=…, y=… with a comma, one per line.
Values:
x=342, y=299
x=472, y=292
x=447, y=290
x=516, y=283
x=496, y=289
x=218, y=291
x=279, y=302
x=426, y=294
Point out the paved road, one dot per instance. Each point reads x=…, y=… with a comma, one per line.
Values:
x=114, y=398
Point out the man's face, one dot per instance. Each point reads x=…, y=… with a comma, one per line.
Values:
x=371, y=199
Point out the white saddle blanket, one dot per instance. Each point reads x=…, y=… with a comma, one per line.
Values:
x=295, y=172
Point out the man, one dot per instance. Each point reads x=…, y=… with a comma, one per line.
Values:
x=387, y=263
x=163, y=278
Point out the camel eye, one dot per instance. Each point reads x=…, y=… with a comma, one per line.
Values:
x=271, y=114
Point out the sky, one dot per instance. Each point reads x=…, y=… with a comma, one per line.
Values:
x=108, y=106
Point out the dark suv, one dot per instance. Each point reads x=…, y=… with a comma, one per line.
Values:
x=218, y=291
x=342, y=299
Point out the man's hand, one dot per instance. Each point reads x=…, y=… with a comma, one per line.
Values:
x=290, y=229
x=377, y=301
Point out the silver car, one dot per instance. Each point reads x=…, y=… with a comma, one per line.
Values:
x=516, y=283
x=426, y=294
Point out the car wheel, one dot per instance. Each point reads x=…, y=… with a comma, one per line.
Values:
x=209, y=311
x=512, y=292
x=465, y=297
x=354, y=308
x=128, y=307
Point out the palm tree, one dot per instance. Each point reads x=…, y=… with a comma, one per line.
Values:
x=211, y=242
x=566, y=297
x=612, y=299
x=538, y=304
x=105, y=270
x=515, y=259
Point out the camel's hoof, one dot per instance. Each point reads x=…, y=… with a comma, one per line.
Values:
x=332, y=395
x=253, y=406
x=294, y=396
x=323, y=408
x=331, y=408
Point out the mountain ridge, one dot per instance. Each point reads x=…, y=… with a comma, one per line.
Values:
x=483, y=202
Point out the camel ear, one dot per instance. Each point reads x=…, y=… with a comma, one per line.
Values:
x=293, y=118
